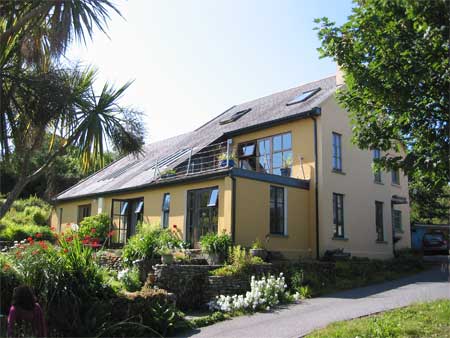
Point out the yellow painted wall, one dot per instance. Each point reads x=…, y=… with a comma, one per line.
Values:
x=302, y=132
x=360, y=192
x=253, y=218
x=153, y=204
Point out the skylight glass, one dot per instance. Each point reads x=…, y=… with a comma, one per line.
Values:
x=213, y=198
x=235, y=116
x=303, y=96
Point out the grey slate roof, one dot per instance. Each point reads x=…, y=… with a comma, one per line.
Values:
x=139, y=171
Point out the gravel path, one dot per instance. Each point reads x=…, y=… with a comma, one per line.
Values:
x=300, y=319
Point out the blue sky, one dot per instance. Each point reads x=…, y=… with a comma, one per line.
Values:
x=192, y=59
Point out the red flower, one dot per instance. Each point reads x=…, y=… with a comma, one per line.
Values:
x=69, y=239
x=174, y=226
x=52, y=228
x=38, y=235
x=93, y=230
x=85, y=241
x=30, y=240
x=66, y=250
x=6, y=267
x=111, y=233
x=35, y=252
x=87, y=237
x=43, y=245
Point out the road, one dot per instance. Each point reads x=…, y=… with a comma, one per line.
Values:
x=300, y=319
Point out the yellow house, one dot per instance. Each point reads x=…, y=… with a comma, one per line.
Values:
x=280, y=169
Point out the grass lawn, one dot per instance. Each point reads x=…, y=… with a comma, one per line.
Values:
x=419, y=320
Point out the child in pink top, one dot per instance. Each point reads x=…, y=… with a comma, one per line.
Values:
x=25, y=308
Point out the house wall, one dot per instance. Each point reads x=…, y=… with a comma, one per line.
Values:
x=302, y=132
x=253, y=218
x=360, y=192
x=153, y=205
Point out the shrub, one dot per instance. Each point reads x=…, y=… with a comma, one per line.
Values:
x=95, y=226
x=147, y=242
x=9, y=279
x=239, y=262
x=21, y=232
x=214, y=243
x=263, y=295
x=38, y=215
x=130, y=279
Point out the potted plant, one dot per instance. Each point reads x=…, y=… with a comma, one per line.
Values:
x=231, y=157
x=168, y=173
x=166, y=255
x=258, y=250
x=286, y=167
x=215, y=247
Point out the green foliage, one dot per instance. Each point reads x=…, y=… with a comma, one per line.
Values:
x=9, y=279
x=239, y=263
x=257, y=244
x=213, y=318
x=21, y=232
x=214, y=243
x=95, y=226
x=130, y=279
x=395, y=58
x=419, y=320
x=147, y=243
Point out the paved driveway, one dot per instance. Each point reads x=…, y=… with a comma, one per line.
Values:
x=300, y=319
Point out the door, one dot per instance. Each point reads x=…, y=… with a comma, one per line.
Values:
x=125, y=216
x=202, y=215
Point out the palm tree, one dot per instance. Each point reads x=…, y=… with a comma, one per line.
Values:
x=37, y=96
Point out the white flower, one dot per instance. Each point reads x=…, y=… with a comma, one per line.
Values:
x=74, y=226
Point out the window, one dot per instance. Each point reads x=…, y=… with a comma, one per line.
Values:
x=337, y=152
x=277, y=211
x=395, y=176
x=303, y=96
x=123, y=207
x=139, y=207
x=235, y=116
x=83, y=211
x=379, y=220
x=165, y=210
x=377, y=173
x=397, y=220
x=213, y=198
x=268, y=155
x=338, y=215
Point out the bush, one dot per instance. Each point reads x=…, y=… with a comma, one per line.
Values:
x=214, y=243
x=38, y=215
x=239, y=263
x=95, y=226
x=21, y=232
x=147, y=243
x=130, y=279
x=9, y=279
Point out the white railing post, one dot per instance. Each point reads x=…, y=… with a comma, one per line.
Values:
x=229, y=141
x=189, y=162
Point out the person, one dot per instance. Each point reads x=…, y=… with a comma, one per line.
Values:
x=24, y=307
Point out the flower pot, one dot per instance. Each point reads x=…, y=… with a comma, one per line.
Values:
x=167, y=259
x=261, y=253
x=214, y=259
x=285, y=172
x=223, y=163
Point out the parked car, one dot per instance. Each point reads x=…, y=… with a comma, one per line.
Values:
x=435, y=242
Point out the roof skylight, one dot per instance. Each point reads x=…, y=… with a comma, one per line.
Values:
x=303, y=96
x=235, y=116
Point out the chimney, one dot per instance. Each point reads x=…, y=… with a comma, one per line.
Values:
x=339, y=76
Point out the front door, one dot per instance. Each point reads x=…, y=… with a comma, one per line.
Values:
x=202, y=215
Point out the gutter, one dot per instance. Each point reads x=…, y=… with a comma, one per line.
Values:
x=316, y=181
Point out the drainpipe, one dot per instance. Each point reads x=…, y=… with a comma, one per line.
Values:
x=233, y=206
x=316, y=185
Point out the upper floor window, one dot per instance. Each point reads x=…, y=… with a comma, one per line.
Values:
x=338, y=215
x=277, y=210
x=269, y=155
x=377, y=174
x=337, y=152
x=395, y=173
x=379, y=220
x=165, y=210
x=83, y=211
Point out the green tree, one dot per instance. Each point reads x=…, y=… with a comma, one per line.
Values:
x=395, y=56
x=38, y=95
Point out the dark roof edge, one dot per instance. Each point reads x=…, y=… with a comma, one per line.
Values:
x=316, y=111
x=138, y=188
x=275, y=179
